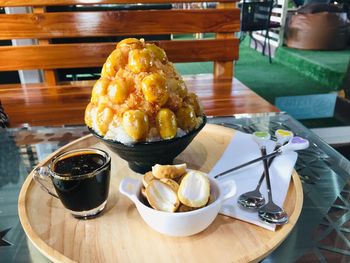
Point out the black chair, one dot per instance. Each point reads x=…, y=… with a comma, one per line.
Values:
x=255, y=16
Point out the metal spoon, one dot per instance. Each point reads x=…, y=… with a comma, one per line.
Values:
x=254, y=199
x=272, y=213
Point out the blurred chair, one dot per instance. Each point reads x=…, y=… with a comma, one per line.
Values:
x=255, y=16
x=3, y=117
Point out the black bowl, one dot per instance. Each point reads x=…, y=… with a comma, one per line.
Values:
x=141, y=156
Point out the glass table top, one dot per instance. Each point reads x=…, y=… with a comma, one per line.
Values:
x=322, y=233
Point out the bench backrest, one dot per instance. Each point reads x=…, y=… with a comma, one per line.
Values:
x=45, y=26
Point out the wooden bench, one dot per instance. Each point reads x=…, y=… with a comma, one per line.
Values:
x=56, y=103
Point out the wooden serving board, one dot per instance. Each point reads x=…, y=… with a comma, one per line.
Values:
x=120, y=235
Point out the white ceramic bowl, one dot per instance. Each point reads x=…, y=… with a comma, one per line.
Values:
x=182, y=223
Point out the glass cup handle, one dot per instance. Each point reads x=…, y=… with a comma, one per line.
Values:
x=41, y=175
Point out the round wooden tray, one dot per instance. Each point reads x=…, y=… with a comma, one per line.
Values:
x=120, y=234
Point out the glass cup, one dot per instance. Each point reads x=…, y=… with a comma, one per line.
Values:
x=80, y=178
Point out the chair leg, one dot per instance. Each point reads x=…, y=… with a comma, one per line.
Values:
x=267, y=39
x=269, y=46
x=242, y=37
x=255, y=41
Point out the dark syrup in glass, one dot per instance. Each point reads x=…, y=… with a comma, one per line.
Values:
x=82, y=194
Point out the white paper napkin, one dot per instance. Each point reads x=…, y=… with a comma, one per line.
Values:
x=241, y=149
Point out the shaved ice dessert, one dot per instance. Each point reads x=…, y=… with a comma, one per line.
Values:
x=140, y=97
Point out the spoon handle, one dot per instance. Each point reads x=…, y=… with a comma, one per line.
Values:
x=269, y=164
x=283, y=136
x=267, y=156
x=267, y=174
x=297, y=143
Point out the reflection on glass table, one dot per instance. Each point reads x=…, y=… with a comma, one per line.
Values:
x=322, y=233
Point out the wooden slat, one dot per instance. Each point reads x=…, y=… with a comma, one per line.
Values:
x=276, y=19
x=38, y=106
x=91, y=2
x=278, y=10
x=111, y=23
x=94, y=54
